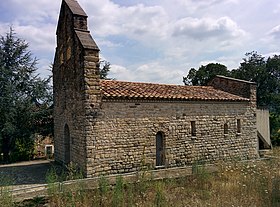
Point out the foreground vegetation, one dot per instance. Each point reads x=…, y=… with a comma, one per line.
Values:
x=240, y=184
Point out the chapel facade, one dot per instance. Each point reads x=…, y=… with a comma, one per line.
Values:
x=109, y=126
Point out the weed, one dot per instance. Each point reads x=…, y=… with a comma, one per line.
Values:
x=118, y=192
x=160, y=200
x=275, y=192
x=103, y=189
x=129, y=194
x=35, y=202
x=73, y=172
x=52, y=179
x=6, y=198
x=144, y=176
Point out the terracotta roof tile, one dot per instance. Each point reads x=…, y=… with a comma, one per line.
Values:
x=135, y=90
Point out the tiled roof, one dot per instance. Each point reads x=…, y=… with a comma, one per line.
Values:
x=75, y=7
x=135, y=90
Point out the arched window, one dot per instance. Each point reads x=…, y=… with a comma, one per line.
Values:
x=66, y=144
x=160, y=149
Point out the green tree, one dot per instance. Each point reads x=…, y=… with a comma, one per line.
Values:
x=104, y=68
x=273, y=84
x=275, y=128
x=25, y=99
x=266, y=73
x=204, y=74
x=253, y=68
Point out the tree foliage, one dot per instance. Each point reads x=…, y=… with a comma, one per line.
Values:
x=104, y=68
x=265, y=72
x=256, y=68
x=204, y=74
x=25, y=99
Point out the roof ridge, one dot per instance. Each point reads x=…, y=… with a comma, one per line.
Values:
x=149, y=83
x=236, y=79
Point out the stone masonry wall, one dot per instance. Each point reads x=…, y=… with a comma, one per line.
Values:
x=238, y=87
x=124, y=135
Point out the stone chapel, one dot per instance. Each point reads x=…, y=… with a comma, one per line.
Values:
x=109, y=126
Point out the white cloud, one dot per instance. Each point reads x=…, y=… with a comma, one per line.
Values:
x=30, y=12
x=119, y=72
x=41, y=38
x=136, y=21
x=156, y=40
x=275, y=32
x=155, y=28
x=150, y=72
x=4, y=28
x=271, y=54
x=201, y=29
x=277, y=9
x=197, y=7
x=156, y=72
x=107, y=43
x=231, y=62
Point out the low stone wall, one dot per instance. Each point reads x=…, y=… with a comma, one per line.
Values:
x=29, y=192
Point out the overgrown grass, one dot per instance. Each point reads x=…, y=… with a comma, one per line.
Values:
x=243, y=184
x=6, y=198
x=118, y=193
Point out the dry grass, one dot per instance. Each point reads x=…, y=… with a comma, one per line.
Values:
x=252, y=183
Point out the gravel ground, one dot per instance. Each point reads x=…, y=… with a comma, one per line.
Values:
x=26, y=173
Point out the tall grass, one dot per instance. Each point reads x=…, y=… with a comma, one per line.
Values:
x=6, y=198
x=102, y=192
x=118, y=193
x=160, y=200
x=243, y=184
x=60, y=195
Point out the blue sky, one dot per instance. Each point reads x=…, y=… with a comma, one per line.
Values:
x=154, y=40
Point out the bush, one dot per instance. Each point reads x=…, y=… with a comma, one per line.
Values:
x=23, y=150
